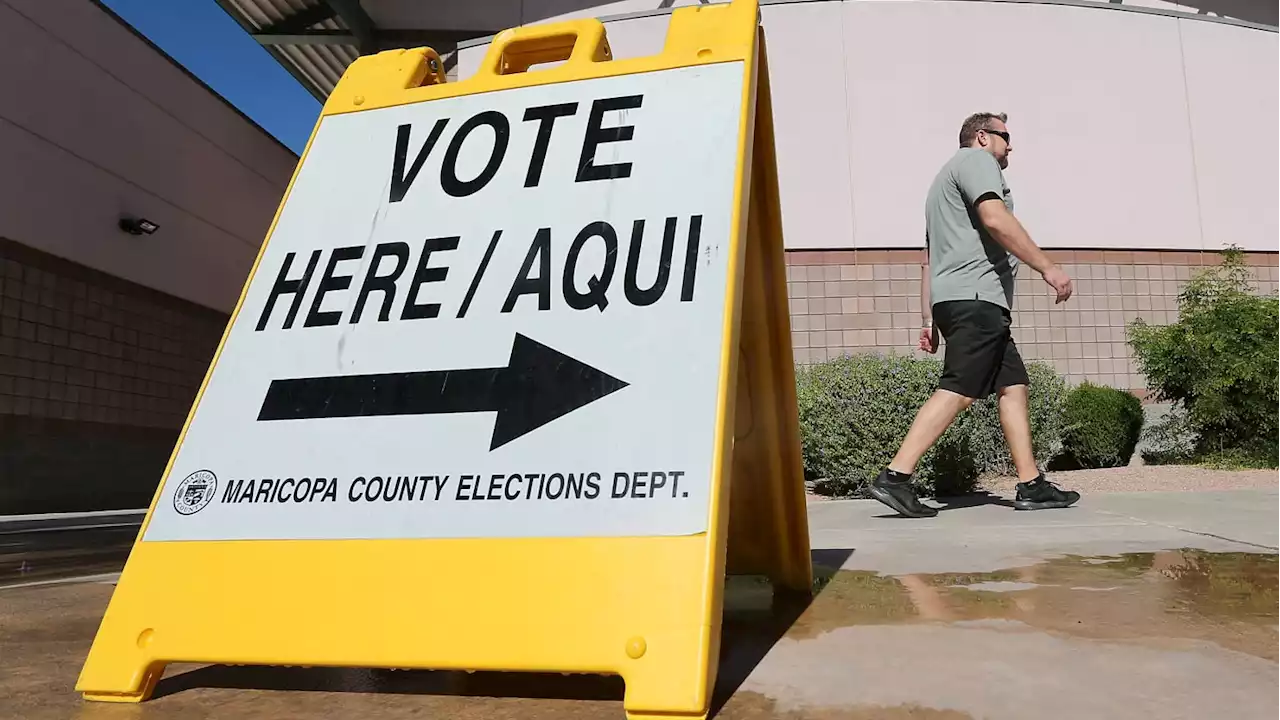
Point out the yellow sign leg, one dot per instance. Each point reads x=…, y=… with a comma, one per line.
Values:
x=768, y=524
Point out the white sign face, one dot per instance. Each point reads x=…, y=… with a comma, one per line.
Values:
x=498, y=315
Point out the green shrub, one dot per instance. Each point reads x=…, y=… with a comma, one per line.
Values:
x=1048, y=392
x=856, y=410
x=1170, y=440
x=1173, y=441
x=1101, y=427
x=1218, y=362
x=1257, y=454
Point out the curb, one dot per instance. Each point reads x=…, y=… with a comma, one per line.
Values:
x=47, y=522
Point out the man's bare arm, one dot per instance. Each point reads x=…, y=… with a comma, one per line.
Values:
x=1008, y=231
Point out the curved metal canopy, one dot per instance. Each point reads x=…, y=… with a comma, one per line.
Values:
x=315, y=40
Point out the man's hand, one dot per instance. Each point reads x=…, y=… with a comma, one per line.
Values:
x=1007, y=231
x=928, y=339
x=1059, y=281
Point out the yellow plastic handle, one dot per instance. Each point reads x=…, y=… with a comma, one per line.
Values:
x=432, y=68
x=575, y=41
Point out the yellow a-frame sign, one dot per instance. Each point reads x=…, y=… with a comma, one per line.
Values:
x=528, y=330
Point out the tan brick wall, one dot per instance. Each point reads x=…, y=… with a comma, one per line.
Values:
x=96, y=378
x=76, y=344
x=846, y=302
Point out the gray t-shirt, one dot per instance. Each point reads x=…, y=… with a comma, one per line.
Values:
x=965, y=262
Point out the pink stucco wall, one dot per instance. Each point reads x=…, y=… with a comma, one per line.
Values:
x=1131, y=130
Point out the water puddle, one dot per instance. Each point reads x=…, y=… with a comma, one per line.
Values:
x=1225, y=598
x=927, y=646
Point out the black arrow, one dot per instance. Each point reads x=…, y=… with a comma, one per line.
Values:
x=538, y=385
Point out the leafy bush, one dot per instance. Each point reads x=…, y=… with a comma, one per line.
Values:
x=1170, y=440
x=856, y=410
x=1218, y=362
x=1102, y=426
x=1048, y=392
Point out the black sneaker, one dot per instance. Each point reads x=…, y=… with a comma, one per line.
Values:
x=899, y=495
x=1040, y=494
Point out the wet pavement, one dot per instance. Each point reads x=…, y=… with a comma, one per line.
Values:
x=1184, y=631
x=1173, y=634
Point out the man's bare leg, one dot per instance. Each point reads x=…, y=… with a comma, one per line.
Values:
x=1034, y=492
x=893, y=486
x=933, y=419
x=1015, y=419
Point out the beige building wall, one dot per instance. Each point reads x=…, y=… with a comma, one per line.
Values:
x=106, y=336
x=1129, y=127
x=95, y=123
x=470, y=14
x=1144, y=143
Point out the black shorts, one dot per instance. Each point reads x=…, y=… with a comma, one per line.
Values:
x=980, y=356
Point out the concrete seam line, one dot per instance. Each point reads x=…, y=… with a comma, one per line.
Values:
x=103, y=577
x=1220, y=537
x=1192, y=532
x=67, y=528
x=70, y=515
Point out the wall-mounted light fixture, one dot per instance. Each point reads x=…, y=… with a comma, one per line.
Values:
x=138, y=226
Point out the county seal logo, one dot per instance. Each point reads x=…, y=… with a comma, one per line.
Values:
x=195, y=492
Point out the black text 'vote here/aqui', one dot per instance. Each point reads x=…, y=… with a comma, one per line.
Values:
x=400, y=273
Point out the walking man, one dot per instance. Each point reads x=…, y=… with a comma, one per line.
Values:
x=974, y=246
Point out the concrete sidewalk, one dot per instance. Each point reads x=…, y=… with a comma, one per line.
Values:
x=977, y=533
x=42, y=522
x=1126, y=607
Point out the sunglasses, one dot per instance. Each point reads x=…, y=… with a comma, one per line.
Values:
x=999, y=133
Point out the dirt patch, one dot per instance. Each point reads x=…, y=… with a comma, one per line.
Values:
x=1137, y=478
x=1147, y=478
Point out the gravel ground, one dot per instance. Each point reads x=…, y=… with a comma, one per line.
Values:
x=1170, y=478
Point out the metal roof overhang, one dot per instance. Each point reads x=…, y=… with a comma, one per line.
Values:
x=315, y=40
